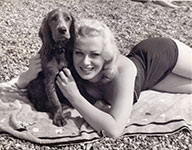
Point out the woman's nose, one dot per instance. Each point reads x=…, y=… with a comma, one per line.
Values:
x=86, y=60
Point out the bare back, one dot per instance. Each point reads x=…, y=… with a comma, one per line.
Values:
x=119, y=92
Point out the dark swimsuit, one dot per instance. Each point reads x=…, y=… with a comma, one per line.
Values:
x=154, y=58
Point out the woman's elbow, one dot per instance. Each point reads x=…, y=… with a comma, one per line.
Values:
x=115, y=133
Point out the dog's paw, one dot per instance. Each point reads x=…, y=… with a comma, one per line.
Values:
x=59, y=119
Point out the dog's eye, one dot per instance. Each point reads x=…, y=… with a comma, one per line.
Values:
x=67, y=18
x=54, y=18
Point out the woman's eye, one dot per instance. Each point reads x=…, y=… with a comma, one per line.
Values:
x=95, y=55
x=78, y=53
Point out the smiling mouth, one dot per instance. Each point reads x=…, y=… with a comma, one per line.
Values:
x=87, y=70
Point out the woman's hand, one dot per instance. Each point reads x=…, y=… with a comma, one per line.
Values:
x=67, y=85
x=34, y=67
x=32, y=73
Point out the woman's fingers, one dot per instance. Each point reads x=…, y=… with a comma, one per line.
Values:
x=62, y=77
x=38, y=61
x=35, y=60
x=38, y=65
x=68, y=74
x=37, y=56
x=58, y=83
x=39, y=68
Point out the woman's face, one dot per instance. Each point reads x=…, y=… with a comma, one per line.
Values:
x=87, y=58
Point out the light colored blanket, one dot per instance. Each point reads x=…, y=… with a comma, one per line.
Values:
x=155, y=113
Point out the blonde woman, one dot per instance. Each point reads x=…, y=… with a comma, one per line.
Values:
x=158, y=63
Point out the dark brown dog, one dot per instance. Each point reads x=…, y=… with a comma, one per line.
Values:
x=57, y=35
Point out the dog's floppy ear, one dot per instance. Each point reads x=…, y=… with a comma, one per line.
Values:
x=72, y=32
x=70, y=43
x=72, y=27
x=45, y=35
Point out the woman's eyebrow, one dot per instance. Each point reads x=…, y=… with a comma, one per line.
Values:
x=95, y=51
x=76, y=48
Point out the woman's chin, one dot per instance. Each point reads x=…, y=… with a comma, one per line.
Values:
x=90, y=78
x=86, y=76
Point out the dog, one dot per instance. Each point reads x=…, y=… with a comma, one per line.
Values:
x=57, y=34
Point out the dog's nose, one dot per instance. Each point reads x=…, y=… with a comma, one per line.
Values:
x=62, y=30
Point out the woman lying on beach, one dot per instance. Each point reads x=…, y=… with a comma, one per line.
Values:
x=161, y=64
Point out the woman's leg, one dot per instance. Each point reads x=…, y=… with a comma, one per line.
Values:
x=174, y=84
x=183, y=66
x=180, y=80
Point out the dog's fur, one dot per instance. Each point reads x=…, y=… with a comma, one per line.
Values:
x=57, y=35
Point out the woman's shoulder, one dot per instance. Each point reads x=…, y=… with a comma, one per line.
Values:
x=126, y=71
x=123, y=80
x=125, y=65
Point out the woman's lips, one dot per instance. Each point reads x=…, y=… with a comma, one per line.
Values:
x=87, y=69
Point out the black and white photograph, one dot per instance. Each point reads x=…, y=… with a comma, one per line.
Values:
x=95, y=75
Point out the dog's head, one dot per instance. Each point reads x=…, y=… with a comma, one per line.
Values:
x=57, y=27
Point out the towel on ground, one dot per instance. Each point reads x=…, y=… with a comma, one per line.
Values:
x=154, y=113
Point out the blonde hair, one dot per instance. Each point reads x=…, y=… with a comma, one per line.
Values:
x=86, y=28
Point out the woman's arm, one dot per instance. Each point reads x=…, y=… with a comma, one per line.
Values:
x=114, y=122
x=31, y=73
x=97, y=118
